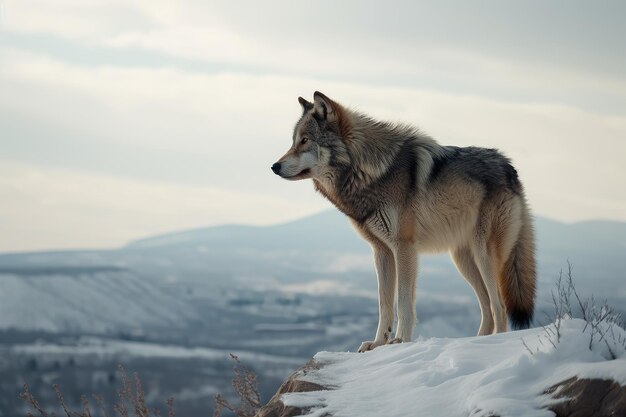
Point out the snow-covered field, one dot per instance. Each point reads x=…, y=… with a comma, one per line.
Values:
x=472, y=376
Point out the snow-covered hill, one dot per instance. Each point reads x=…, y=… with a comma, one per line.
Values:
x=502, y=375
x=87, y=300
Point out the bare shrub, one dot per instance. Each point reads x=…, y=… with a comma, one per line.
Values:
x=600, y=318
x=247, y=388
x=130, y=402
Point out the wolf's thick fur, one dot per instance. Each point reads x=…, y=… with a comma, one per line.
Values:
x=405, y=193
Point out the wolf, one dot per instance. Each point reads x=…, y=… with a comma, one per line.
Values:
x=406, y=194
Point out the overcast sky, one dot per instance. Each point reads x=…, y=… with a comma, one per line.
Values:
x=122, y=119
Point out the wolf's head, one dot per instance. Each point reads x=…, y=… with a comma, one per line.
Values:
x=318, y=141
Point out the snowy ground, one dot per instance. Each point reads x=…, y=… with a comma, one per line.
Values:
x=473, y=376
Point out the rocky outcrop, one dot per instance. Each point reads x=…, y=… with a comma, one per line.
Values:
x=588, y=398
x=576, y=397
x=294, y=383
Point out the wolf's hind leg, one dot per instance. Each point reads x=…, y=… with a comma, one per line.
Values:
x=386, y=273
x=464, y=262
x=486, y=266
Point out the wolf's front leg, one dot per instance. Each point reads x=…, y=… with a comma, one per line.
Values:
x=386, y=273
x=406, y=266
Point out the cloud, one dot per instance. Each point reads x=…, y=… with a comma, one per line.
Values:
x=225, y=129
x=216, y=105
x=449, y=50
x=85, y=22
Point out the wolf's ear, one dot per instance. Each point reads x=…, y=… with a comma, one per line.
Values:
x=324, y=107
x=306, y=105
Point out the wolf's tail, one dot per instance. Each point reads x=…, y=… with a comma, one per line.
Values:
x=518, y=276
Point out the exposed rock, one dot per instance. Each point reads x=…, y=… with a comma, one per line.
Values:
x=276, y=408
x=589, y=398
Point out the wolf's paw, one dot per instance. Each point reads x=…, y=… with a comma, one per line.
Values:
x=395, y=341
x=365, y=346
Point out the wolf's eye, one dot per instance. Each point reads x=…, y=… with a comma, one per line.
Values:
x=304, y=140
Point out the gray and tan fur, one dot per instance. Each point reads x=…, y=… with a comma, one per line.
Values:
x=404, y=193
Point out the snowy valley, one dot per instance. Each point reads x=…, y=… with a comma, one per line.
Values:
x=173, y=307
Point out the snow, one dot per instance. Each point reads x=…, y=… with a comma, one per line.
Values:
x=474, y=376
x=114, y=349
x=86, y=302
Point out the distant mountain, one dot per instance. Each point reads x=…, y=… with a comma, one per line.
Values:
x=596, y=250
x=597, y=238
x=591, y=246
x=328, y=230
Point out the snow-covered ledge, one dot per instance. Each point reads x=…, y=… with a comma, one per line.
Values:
x=525, y=373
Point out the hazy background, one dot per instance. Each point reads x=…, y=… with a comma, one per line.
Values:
x=120, y=119
x=124, y=122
